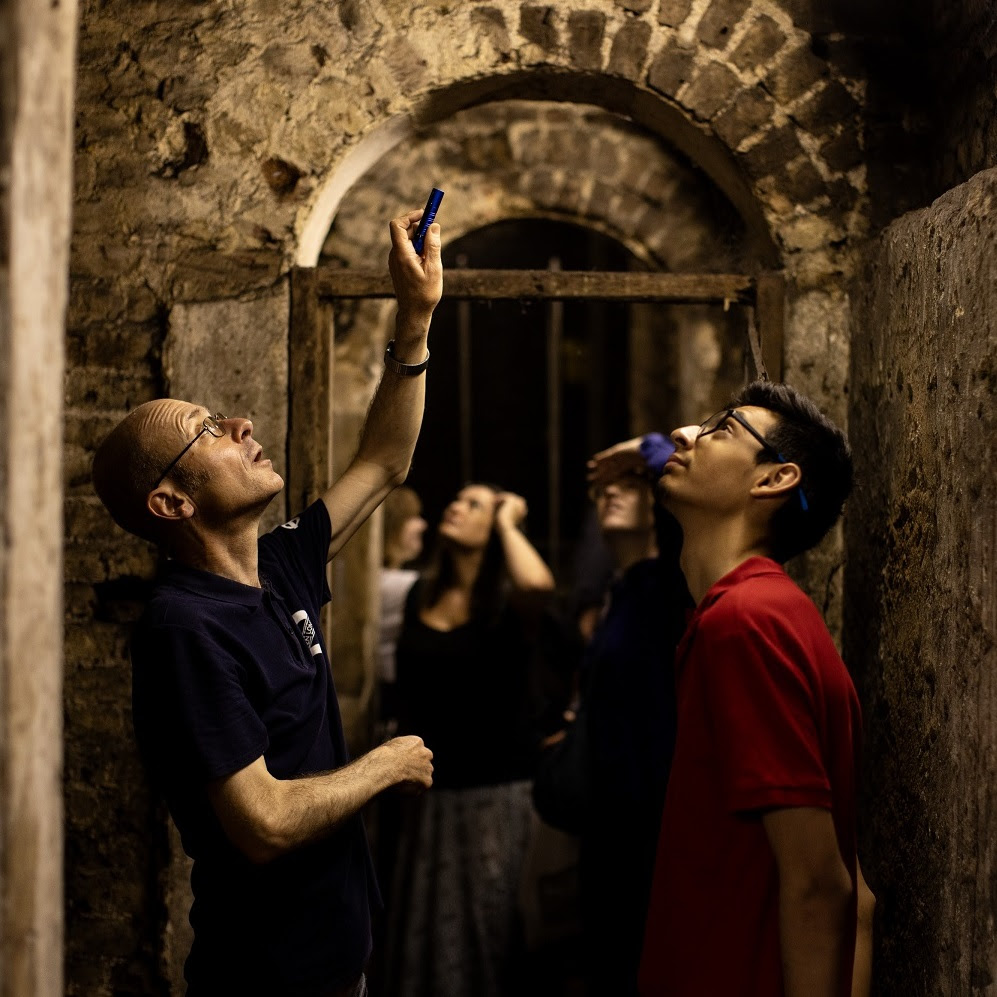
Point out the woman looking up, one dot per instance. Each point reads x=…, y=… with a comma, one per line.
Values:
x=464, y=679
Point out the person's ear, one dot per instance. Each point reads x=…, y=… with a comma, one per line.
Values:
x=167, y=502
x=777, y=481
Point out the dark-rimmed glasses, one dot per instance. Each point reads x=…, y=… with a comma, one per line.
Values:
x=716, y=421
x=210, y=425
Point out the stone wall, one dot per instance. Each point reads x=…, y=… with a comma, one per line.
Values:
x=215, y=146
x=921, y=617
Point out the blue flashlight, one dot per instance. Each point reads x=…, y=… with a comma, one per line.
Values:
x=432, y=206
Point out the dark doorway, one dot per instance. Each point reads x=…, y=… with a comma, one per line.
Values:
x=488, y=412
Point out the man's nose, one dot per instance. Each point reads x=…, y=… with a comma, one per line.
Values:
x=239, y=427
x=684, y=436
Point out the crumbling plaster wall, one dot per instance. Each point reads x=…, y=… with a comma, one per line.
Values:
x=921, y=620
x=214, y=142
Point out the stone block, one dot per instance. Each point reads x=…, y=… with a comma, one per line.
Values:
x=570, y=195
x=674, y=12
x=490, y=23
x=87, y=428
x=719, y=21
x=635, y=6
x=529, y=145
x=95, y=644
x=541, y=186
x=600, y=196
x=605, y=159
x=796, y=73
x=205, y=274
x=821, y=112
x=107, y=345
x=629, y=50
x=712, y=88
x=750, y=111
x=586, y=29
x=407, y=65
x=844, y=151
x=76, y=467
x=843, y=197
x=778, y=147
x=539, y=26
x=232, y=357
x=85, y=518
x=758, y=44
x=671, y=68
x=108, y=388
x=801, y=182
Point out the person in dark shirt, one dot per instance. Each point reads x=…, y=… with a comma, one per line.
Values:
x=234, y=706
x=629, y=699
x=464, y=679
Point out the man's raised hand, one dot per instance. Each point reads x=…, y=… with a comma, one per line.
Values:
x=418, y=280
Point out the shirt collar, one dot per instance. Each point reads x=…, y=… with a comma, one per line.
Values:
x=210, y=585
x=753, y=567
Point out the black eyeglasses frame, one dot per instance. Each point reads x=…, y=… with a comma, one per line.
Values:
x=209, y=425
x=730, y=413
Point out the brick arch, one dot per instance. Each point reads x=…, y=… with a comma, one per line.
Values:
x=731, y=83
x=576, y=163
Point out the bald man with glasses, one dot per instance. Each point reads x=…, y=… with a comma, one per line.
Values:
x=234, y=706
x=757, y=889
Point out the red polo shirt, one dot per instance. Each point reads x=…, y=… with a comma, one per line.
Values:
x=767, y=717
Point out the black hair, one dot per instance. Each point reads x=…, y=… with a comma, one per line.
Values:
x=488, y=594
x=806, y=437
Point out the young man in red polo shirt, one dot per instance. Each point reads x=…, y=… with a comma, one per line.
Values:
x=755, y=886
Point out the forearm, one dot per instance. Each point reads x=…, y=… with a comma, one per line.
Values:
x=393, y=422
x=862, y=968
x=526, y=567
x=305, y=810
x=812, y=928
x=265, y=817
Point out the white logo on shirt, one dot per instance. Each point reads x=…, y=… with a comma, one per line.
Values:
x=307, y=628
x=291, y=524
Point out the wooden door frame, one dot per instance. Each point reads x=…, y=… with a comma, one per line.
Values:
x=314, y=290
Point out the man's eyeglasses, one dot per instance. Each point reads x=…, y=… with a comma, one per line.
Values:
x=716, y=421
x=210, y=425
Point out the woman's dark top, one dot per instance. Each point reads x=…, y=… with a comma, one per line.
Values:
x=466, y=693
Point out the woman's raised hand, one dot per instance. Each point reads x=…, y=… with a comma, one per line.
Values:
x=510, y=509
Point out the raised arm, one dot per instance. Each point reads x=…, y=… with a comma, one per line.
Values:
x=395, y=417
x=814, y=893
x=526, y=567
x=266, y=817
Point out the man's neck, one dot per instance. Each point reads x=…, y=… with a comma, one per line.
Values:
x=231, y=553
x=712, y=548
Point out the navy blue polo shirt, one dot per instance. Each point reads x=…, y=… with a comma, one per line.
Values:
x=221, y=674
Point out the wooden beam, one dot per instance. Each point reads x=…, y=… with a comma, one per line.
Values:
x=770, y=307
x=679, y=288
x=309, y=419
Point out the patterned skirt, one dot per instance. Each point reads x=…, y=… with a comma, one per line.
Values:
x=453, y=923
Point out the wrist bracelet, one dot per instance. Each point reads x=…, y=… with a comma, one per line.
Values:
x=405, y=369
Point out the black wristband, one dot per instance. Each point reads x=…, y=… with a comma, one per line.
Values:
x=404, y=369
